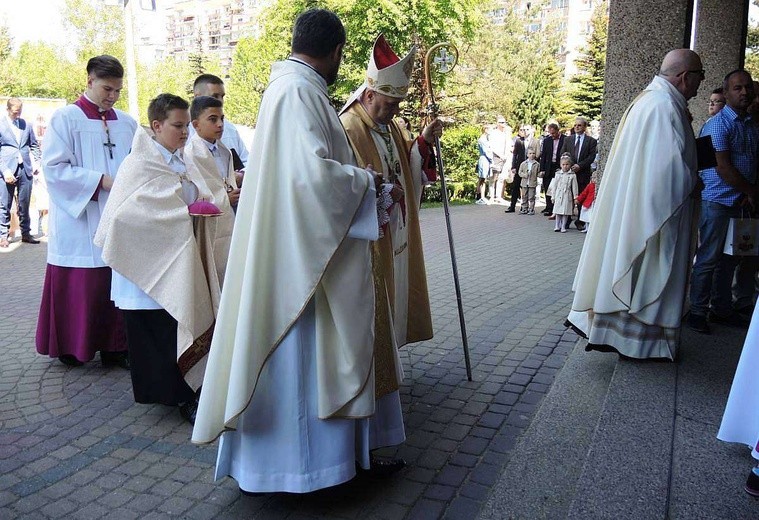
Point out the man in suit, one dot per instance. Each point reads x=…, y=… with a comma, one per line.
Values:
x=549, y=159
x=582, y=150
x=16, y=142
x=524, y=142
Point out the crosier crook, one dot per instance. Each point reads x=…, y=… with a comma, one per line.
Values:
x=441, y=58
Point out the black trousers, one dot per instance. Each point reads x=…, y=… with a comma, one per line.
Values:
x=152, y=339
x=515, y=191
x=547, y=178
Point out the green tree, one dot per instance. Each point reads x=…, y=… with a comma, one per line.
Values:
x=41, y=70
x=95, y=28
x=536, y=103
x=752, y=47
x=403, y=22
x=588, y=84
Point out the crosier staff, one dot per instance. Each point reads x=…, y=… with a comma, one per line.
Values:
x=442, y=58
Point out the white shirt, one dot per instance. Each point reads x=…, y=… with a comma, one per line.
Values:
x=230, y=137
x=222, y=163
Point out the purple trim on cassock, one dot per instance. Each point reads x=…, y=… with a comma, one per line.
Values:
x=92, y=111
x=77, y=316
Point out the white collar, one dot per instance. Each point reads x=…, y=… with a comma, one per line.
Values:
x=167, y=155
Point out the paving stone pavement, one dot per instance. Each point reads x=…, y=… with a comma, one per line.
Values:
x=73, y=444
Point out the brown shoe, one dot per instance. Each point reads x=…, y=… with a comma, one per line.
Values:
x=552, y=217
x=4, y=242
x=29, y=239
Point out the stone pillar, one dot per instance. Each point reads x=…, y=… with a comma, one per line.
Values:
x=641, y=32
x=721, y=43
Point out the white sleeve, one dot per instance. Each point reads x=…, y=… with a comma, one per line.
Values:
x=70, y=186
x=365, y=225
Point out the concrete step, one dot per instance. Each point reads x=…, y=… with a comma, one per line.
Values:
x=626, y=472
x=541, y=477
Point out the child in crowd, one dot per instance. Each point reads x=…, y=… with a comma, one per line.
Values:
x=167, y=265
x=587, y=198
x=528, y=172
x=208, y=121
x=563, y=189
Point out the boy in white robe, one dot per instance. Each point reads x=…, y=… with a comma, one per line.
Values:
x=85, y=144
x=207, y=116
x=164, y=260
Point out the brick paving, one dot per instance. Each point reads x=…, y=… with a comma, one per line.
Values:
x=73, y=444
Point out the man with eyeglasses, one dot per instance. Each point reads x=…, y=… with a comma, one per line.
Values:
x=582, y=149
x=633, y=272
x=729, y=192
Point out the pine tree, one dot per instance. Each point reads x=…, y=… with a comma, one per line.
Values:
x=588, y=84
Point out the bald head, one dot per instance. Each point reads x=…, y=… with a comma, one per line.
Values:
x=678, y=61
x=684, y=70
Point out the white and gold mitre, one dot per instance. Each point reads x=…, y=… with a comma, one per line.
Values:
x=386, y=73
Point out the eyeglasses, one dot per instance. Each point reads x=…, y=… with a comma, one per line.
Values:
x=717, y=102
x=701, y=73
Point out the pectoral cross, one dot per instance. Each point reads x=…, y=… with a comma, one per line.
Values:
x=444, y=61
x=107, y=144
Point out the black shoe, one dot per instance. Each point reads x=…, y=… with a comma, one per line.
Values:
x=115, y=359
x=545, y=212
x=29, y=239
x=746, y=312
x=698, y=323
x=510, y=210
x=752, y=483
x=579, y=225
x=69, y=360
x=731, y=320
x=382, y=467
x=189, y=411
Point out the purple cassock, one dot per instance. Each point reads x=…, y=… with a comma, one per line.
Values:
x=77, y=317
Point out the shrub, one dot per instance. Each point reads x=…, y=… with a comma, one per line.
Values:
x=459, y=145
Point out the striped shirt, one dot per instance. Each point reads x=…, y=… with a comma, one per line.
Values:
x=738, y=136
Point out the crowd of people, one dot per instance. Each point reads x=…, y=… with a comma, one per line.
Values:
x=169, y=246
x=559, y=166
x=162, y=263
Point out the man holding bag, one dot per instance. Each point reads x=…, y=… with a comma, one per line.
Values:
x=729, y=190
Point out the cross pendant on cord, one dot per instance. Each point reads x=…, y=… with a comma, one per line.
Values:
x=110, y=146
x=107, y=144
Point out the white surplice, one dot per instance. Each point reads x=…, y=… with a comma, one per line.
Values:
x=74, y=159
x=633, y=270
x=740, y=422
x=290, y=370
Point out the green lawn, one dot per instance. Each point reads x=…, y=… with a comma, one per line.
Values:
x=455, y=202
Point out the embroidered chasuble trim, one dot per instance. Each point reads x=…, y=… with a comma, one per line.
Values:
x=358, y=126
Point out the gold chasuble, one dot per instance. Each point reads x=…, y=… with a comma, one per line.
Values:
x=387, y=250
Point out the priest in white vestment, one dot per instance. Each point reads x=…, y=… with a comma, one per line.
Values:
x=289, y=381
x=85, y=144
x=633, y=270
x=402, y=313
x=740, y=421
